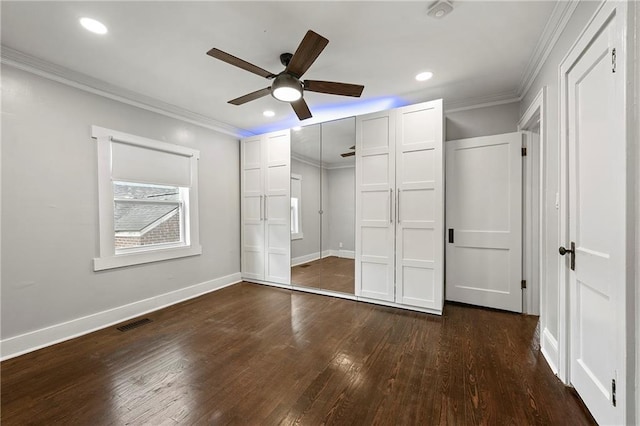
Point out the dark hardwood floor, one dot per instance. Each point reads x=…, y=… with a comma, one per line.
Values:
x=329, y=273
x=252, y=354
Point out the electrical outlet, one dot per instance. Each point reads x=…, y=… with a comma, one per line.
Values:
x=339, y=245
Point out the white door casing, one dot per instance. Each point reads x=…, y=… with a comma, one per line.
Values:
x=531, y=220
x=419, y=206
x=484, y=221
x=375, y=201
x=593, y=183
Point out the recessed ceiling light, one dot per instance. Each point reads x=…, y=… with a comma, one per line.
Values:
x=297, y=128
x=424, y=76
x=93, y=25
x=268, y=113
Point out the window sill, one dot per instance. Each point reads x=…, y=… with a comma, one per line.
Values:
x=297, y=236
x=130, y=259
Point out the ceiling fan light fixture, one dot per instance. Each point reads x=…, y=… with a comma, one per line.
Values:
x=268, y=113
x=286, y=88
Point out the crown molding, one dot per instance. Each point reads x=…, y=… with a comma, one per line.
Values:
x=481, y=102
x=306, y=160
x=556, y=24
x=42, y=68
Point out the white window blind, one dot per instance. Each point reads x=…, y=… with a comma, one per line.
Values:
x=134, y=163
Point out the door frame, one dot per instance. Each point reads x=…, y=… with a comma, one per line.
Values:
x=533, y=295
x=625, y=358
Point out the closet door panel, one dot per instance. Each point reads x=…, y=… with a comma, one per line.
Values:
x=420, y=202
x=252, y=229
x=375, y=185
x=277, y=207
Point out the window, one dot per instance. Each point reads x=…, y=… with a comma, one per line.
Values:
x=147, y=192
x=296, y=207
x=145, y=215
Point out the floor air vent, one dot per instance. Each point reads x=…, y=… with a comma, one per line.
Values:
x=305, y=266
x=134, y=324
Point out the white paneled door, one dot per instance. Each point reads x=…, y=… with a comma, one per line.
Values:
x=594, y=248
x=277, y=207
x=400, y=206
x=252, y=205
x=375, y=206
x=484, y=221
x=265, y=207
x=419, y=206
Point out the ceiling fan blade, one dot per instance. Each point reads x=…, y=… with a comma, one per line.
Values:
x=250, y=96
x=230, y=59
x=347, y=154
x=301, y=109
x=334, y=88
x=308, y=51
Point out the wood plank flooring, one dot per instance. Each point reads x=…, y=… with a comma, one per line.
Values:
x=330, y=273
x=251, y=354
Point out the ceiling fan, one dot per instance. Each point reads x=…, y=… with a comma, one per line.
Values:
x=349, y=153
x=287, y=86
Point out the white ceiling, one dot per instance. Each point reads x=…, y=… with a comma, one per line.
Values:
x=158, y=49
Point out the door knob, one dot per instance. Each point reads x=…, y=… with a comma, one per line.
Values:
x=571, y=251
x=564, y=251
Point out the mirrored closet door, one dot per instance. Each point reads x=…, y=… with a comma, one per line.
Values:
x=323, y=206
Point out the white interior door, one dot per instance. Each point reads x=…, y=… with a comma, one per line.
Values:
x=252, y=208
x=484, y=221
x=596, y=190
x=277, y=206
x=419, y=206
x=375, y=201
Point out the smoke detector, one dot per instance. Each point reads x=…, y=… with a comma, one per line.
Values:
x=440, y=9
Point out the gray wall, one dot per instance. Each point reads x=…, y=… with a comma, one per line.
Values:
x=486, y=121
x=338, y=219
x=548, y=77
x=50, y=205
x=341, y=208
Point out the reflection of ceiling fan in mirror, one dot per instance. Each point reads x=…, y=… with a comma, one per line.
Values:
x=287, y=86
x=350, y=153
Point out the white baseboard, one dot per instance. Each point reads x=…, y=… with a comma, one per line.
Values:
x=305, y=259
x=322, y=292
x=398, y=305
x=28, y=342
x=549, y=349
x=346, y=254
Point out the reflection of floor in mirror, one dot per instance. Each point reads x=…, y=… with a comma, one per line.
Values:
x=331, y=273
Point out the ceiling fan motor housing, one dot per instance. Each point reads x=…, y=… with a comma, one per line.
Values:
x=285, y=58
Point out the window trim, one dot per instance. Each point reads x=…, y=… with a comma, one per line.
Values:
x=297, y=235
x=108, y=258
